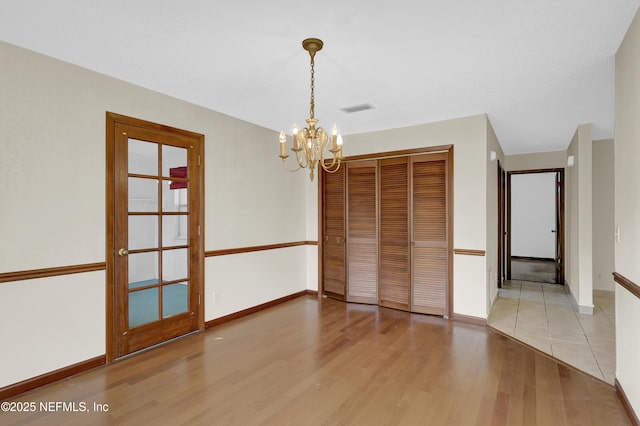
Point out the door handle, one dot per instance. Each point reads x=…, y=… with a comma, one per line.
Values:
x=413, y=243
x=123, y=252
x=553, y=230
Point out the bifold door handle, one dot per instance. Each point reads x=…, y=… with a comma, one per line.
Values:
x=123, y=252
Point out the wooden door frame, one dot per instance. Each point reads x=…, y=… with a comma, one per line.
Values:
x=560, y=233
x=501, y=223
x=112, y=119
x=380, y=155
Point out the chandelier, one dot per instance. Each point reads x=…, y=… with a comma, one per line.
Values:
x=311, y=143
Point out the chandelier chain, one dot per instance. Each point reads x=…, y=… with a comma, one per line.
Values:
x=313, y=80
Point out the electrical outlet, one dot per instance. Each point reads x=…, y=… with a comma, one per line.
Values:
x=215, y=296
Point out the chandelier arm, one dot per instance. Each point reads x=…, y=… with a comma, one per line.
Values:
x=329, y=170
x=335, y=162
x=284, y=164
x=302, y=164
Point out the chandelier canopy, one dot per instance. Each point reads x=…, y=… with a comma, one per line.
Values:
x=311, y=143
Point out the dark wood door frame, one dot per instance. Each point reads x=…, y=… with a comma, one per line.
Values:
x=560, y=216
x=501, y=223
x=196, y=256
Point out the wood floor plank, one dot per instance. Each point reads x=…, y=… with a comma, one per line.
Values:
x=314, y=362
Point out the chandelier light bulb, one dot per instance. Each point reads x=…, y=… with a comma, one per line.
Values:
x=340, y=141
x=334, y=130
x=283, y=147
x=295, y=129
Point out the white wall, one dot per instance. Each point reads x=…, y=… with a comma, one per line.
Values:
x=52, y=170
x=603, y=214
x=533, y=215
x=491, y=254
x=468, y=135
x=579, y=247
x=627, y=211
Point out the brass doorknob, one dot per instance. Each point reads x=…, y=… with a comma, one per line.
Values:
x=123, y=252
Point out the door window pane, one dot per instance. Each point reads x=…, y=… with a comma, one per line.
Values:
x=143, y=195
x=175, y=299
x=143, y=232
x=174, y=230
x=143, y=157
x=175, y=264
x=174, y=161
x=174, y=200
x=143, y=269
x=143, y=307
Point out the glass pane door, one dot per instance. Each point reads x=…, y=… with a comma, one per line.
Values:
x=158, y=232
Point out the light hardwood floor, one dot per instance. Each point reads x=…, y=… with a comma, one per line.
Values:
x=311, y=362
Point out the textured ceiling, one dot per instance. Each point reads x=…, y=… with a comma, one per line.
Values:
x=537, y=68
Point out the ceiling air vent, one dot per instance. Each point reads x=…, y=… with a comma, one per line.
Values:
x=356, y=108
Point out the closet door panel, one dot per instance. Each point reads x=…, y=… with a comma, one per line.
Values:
x=429, y=234
x=362, y=247
x=333, y=247
x=393, y=271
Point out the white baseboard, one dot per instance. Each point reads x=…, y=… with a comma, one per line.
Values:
x=583, y=309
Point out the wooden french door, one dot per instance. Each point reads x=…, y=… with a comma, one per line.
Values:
x=333, y=247
x=155, y=239
x=362, y=241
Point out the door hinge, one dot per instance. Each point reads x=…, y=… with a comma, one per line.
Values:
x=198, y=230
x=198, y=300
x=198, y=160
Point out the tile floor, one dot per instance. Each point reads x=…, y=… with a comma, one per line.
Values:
x=542, y=316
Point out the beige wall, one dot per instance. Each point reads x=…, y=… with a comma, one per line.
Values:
x=52, y=169
x=603, y=214
x=578, y=213
x=535, y=161
x=627, y=210
x=469, y=137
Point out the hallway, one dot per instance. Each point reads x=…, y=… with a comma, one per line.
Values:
x=541, y=315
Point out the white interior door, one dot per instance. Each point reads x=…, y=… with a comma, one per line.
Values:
x=533, y=215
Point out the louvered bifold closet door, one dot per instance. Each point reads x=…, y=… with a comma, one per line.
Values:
x=362, y=247
x=429, y=234
x=393, y=257
x=333, y=247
